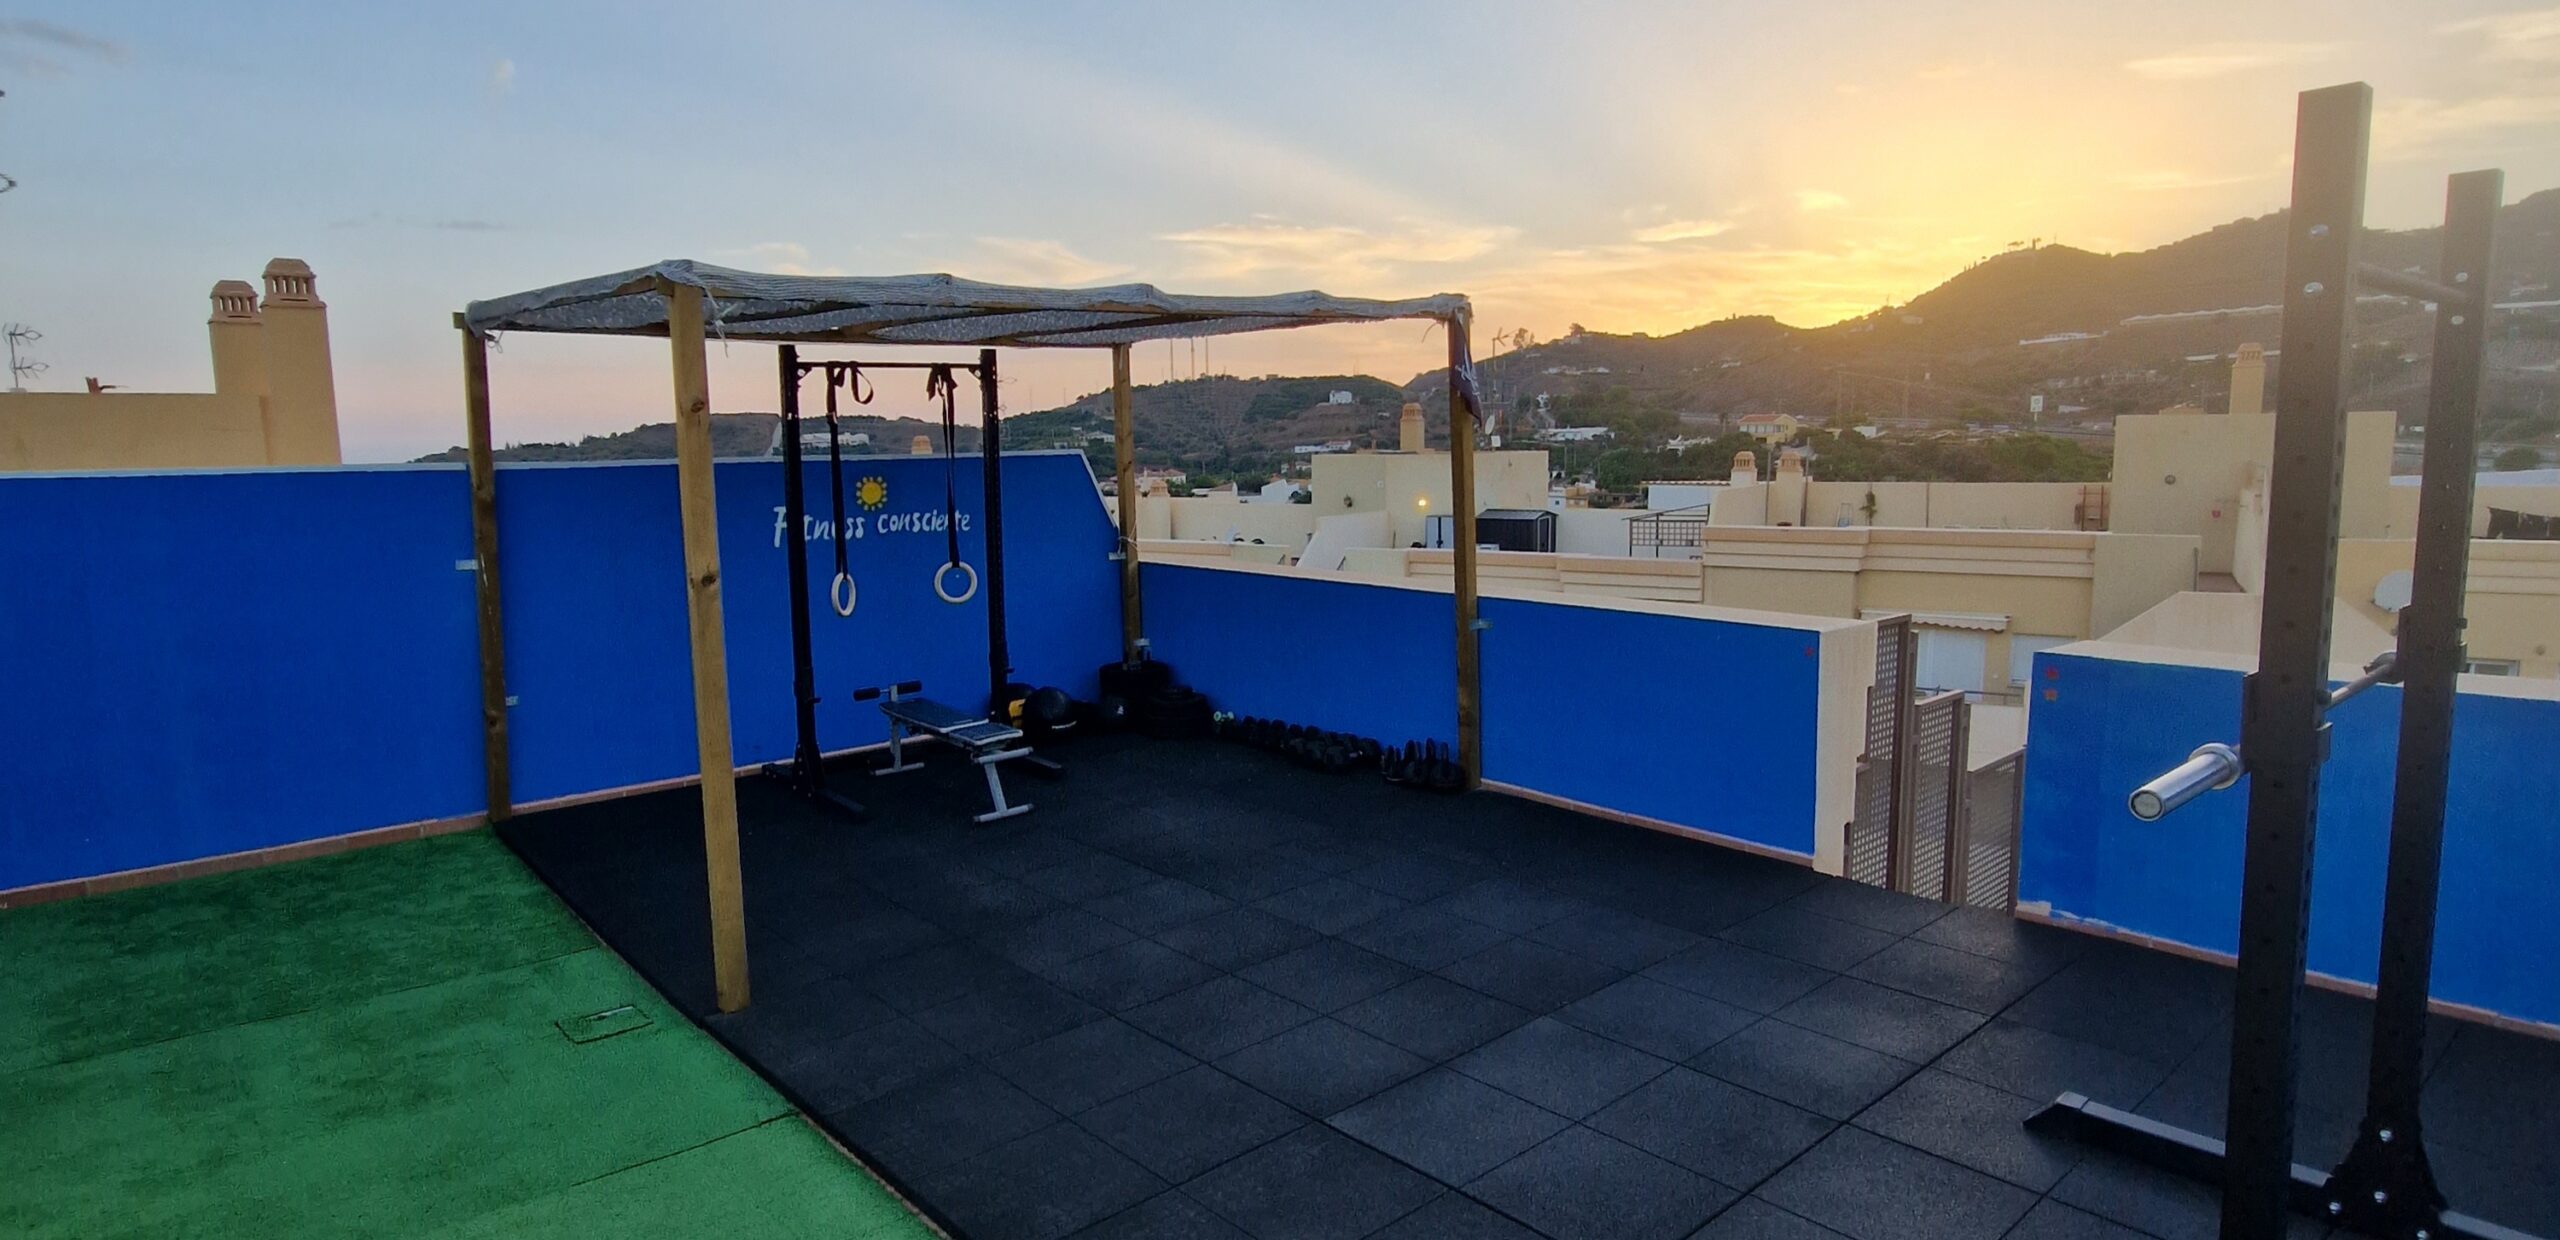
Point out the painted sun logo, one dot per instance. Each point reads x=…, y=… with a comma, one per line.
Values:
x=872, y=493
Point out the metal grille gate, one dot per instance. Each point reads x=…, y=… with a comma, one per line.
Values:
x=1880, y=816
x=1936, y=758
x=1986, y=835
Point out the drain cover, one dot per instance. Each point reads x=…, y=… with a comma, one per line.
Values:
x=597, y=1026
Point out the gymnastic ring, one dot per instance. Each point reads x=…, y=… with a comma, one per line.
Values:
x=945, y=571
x=840, y=593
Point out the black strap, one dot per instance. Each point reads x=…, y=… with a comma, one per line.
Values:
x=938, y=382
x=835, y=461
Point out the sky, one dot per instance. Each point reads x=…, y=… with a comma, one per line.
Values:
x=1628, y=167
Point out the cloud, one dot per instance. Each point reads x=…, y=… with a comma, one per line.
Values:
x=1683, y=230
x=2532, y=36
x=1819, y=200
x=44, y=49
x=2219, y=59
x=1951, y=71
x=2405, y=123
x=1026, y=260
x=1338, y=252
x=502, y=77
x=788, y=258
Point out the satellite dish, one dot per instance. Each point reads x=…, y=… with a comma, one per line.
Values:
x=2392, y=592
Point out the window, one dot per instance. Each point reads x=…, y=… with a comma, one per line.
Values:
x=2022, y=654
x=1951, y=659
x=2490, y=667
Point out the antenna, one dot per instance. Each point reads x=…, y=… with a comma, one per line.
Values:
x=21, y=368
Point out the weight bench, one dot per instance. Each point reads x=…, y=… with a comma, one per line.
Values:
x=985, y=742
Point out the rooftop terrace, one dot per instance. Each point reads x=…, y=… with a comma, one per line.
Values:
x=1204, y=993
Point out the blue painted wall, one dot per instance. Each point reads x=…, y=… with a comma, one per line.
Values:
x=2100, y=727
x=210, y=663
x=1588, y=703
x=592, y=561
x=1633, y=712
x=1346, y=655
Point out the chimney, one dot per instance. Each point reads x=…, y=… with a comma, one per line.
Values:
x=239, y=341
x=1746, y=467
x=921, y=446
x=1788, y=490
x=2249, y=380
x=302, y=387
x=1409, y=429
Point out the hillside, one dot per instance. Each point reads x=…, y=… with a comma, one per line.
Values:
x=2097, y=335
x=732, y=434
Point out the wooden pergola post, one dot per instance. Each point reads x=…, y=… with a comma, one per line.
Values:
x=484, y=556
x=710, y=661
x=1462, y=555
x=1124, y=470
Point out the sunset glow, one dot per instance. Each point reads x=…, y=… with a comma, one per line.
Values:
x=1637, y=169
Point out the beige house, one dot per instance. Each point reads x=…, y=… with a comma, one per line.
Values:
x=274, y=399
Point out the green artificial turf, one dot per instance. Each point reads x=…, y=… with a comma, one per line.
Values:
x=369, y=1044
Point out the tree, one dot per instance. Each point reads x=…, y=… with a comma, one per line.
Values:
x=2519, y=457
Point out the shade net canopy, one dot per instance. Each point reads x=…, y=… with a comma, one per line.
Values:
x=919, y=310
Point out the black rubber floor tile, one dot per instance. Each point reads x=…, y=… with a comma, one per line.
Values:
x=1977, y=983
x=1007, y=1015
x=1414, y=877
x=1902, y=1025
x=2154, y=1202
x=1507, y=904
x=1246, y=878
x=1531, y=975
x=1872, y=907
x=1994, y=933
x=1331, y=905
x=1327, y=976
x=1975, y=1125
x=1424, y=937
x=1024, y=852
x=1719, y=1130
x=1168, y=1215
x=1823, y=1075
x=1057, y=937
x=941, y=1119
x=787, y=1021
x=1158, y=904
x=1189, y=1122
x=1037, y=1187
x=1655, y=1018
x=1801, y=934
x=2052, y=1220
x=1235, y=938
x=1451, y=1125
x=1566, y=1070
x=1580, y=1183
x=1868, y=1188
x=1754, y=1219
x=1612, y=937
x=1218, y=1017
x=978, y=908
x=2155, y=1009
x=1730, y=973
x=935, y=976
x=1322, y=1066
x=2496, y=1090
x=1128, y=975
x=1314, y=1184
x=860, y=1067
x=1088, y=876
x=2033, y=1063
x=1434, y=1017
x=1090, y=1065
x=847, y=941
x=1451, y=1216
